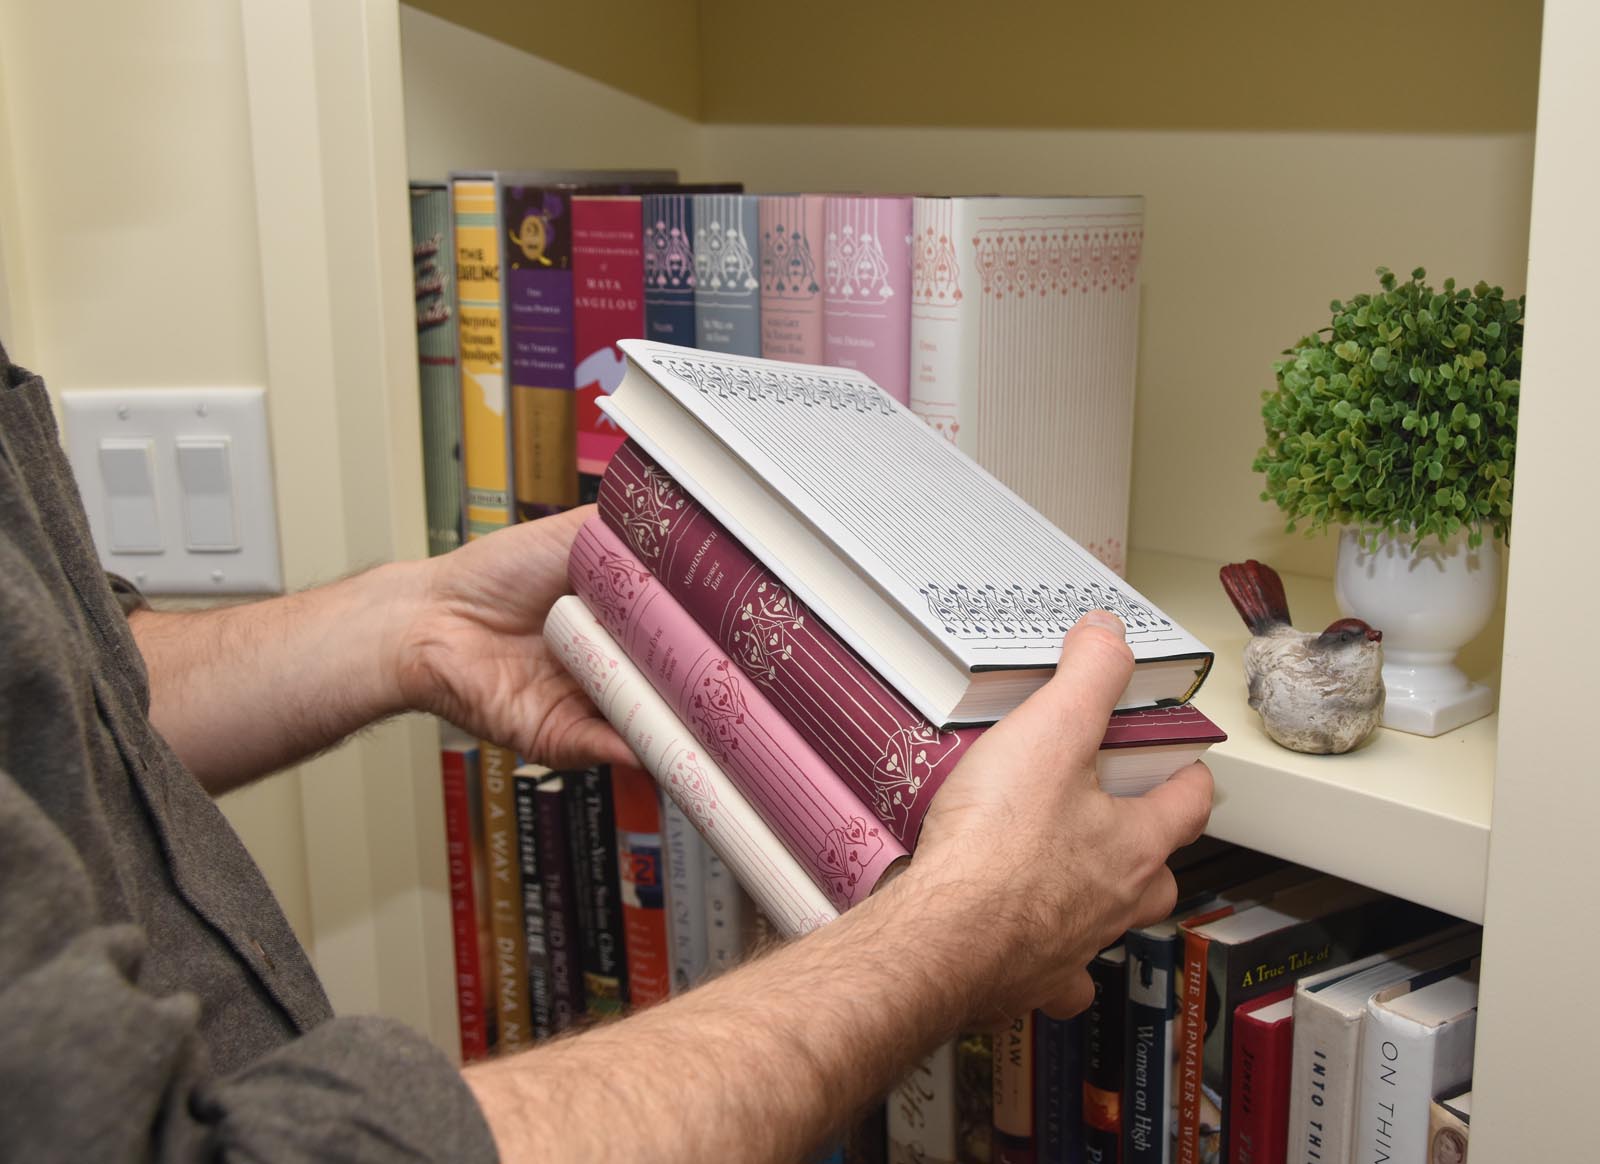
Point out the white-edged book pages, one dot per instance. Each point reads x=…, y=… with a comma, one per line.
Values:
x=945, y=581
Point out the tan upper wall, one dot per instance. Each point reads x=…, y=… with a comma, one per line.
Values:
x=1432, y=66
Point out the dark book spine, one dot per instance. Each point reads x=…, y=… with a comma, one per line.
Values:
x=669, y=268
x=1147, y=1050
x=605, y=968
x=868, y=1140
x=525, y=793
x=558, y=891
x=1058, y=1088
x=1102, y=1059
x=460, y=771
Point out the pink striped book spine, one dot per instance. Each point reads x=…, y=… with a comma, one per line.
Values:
x=891, y=757
x=866, y=297
x=791, y=277
x=817, y=816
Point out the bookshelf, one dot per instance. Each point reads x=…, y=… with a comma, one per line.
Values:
x=281, y=132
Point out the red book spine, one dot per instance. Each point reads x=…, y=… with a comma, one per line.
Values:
x=1258, y=1094
x=644, y=915
x=459, y=775
x=608, y=305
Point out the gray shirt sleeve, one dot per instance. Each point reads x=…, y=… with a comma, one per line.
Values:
x=92, y=1067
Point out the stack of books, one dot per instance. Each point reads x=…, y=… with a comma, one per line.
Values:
x=800, y=605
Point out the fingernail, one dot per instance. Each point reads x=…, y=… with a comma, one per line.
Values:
x=1106, y=621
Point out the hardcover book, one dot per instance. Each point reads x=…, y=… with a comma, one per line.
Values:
x=509, y=941
x=485, y=433
x=685, y=854
x=866, y=299
x=469, y=928
x=685, y=772
x=1263, y=1033
x=669, y=275
x=975, y=1099
x=813, y=811
x=591, y=817
x=1013, y=1093
x=1416, y=1044
x=1024, y=339
x=1329, y=1008
x=922, y=1112
x=946, y=583
x=1103, y=1026
x=1449, y=1123
x=1058, y=1046
x=727, y=291
x=559, y=894
x=536, y=947
x=644, y=918
x=432, y=250
x=791, y=277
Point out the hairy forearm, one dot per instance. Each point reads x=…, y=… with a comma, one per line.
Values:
x=755, y=1065
x=241, y=691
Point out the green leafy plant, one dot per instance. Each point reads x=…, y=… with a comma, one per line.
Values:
x=1400, y=417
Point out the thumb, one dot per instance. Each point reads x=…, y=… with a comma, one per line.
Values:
x=1073, y=707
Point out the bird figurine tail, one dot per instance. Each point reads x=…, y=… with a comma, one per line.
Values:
x=1257, y=594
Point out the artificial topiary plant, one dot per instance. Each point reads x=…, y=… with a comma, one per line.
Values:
x=1400, y=417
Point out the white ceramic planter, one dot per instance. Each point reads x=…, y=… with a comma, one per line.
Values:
x=1428, y=604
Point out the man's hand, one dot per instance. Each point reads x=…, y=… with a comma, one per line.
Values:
x=475, y=651
x=1051, y=868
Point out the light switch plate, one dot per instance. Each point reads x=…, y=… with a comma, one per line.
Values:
x=210, y=524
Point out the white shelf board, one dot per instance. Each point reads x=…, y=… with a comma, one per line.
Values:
x=1402, y=813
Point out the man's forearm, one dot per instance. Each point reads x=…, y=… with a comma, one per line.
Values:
x=241, y=691
x=751, y=1066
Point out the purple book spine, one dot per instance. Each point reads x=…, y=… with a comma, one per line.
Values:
x=560, y=909
x=818, y=817
x=866, y=290
x=890, y=756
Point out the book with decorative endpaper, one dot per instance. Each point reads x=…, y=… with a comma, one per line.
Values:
x=685, y=771
x=951, y=587
x=866, y=301
x=791, y=277
x=816, y=815
x=889, y=754
x=1024, y=337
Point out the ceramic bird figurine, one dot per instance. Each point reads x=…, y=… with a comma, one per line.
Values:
x=1315, y=693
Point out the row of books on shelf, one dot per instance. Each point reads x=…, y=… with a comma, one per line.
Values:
x=1008, y=324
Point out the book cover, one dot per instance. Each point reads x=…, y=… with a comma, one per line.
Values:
x=1058, y=1126
x=559, y=893
x=479, y=323
x=463, y=800
x=727, y=291
x=1416, y=1044
x=922, y=1111
x=1024, y=334
x=975, y=1098
x=1013, y=1093
x=669, y=272
x=1233, y=959
x=608, y=299
x=685, y=854
x=432, y=249
x=1263, y=1035
x=1103, y=1025
x=831, y=485
x=1449, y=1124
x=536, y=947
x=1326, y=1072
x=791, y=277
x=881, y=746
x=508, y=939
x=644, y=917
x=813, y=811
x=591, y=814
x=732, y=829
x=866, y=290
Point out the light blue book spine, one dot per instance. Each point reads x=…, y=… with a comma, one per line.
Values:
x=727, y=292
x=432, y=257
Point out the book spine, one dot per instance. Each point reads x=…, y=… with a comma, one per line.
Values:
x=1259, y=1088
x=1403, y=1066
x=892, y=758
x=1013, y=1093
x=1147, y=1114
x=536, y=946
x=669, y=276
x=818, y=817
x=1103, y=1035
x=791, y=277
x=536, y=232
x=727, y=291
x=460, y=777
x=510, y=961
x=1324, y=1082
x=1058, y=1090
x=1191, y=1054
x=731, y=828
x=867, y=1141
x=975, y=1099
x=644, y=916
x=866, y=295
x=593, y=821
x=432, y=248
x=922, y=1112
x=940, y=312
x=728, y=919
x=608, y=305
x=685, y=855
x=558, y=890
x=485, y=433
